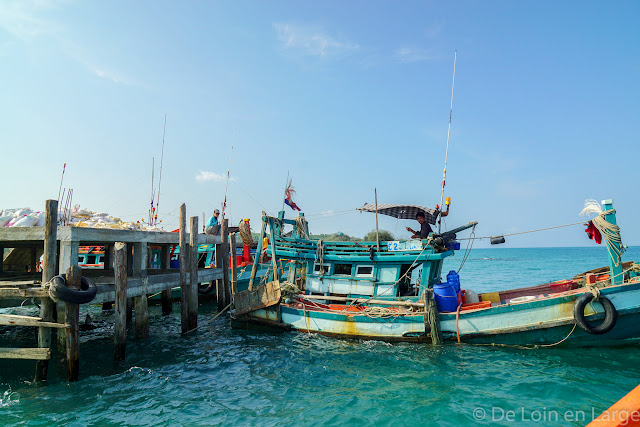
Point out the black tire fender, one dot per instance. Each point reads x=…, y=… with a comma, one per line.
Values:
x=610, y=314
x=58, y=290
x=205, y=288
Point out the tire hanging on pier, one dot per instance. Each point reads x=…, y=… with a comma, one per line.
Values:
x=58, y=290
x=610, y=314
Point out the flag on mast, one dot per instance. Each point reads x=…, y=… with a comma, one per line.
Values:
x=288, y=199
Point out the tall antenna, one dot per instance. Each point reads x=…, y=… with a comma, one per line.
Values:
x=446, y=153
x=155, y=218
x=151, y=209
x=224, y=204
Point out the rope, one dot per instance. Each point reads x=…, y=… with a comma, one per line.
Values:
x=214, y=318
x=523, y=232
x=301, y=227
x=611, y=232
x=468, y=250
x=245, y=233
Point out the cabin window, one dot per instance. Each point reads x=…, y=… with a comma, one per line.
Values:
x=317, y=268
x=364, y=270
x=101, y=259
x=91, y=259
x=81, y=259
x=343, y=269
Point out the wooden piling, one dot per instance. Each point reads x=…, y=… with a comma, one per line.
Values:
x=224, y=232
x=184, y=267
x=140, y=260
x=165, y=262
x=72, y=318
x=193, y=274
x=67, y=257
x=254, y=267
x=120, y=314
x=220, y=288
x=47, y=306
x=434, y=318
x=234, y=264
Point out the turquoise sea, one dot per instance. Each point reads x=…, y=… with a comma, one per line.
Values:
x=223, y=376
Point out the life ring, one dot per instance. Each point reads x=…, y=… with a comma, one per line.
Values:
x=610, y=314
x=58, y=290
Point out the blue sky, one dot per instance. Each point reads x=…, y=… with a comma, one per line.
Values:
x=346, y=96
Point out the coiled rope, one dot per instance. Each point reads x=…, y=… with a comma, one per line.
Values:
x=245, y=234
x=611, y=232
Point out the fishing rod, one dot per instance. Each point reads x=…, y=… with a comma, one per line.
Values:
x=61, y=179
x=164, y=131
x=151, y=209
x=224, y=204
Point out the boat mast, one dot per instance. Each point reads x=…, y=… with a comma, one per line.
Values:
x=446, y=153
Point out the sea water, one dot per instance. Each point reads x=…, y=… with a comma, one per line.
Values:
x=219, y=375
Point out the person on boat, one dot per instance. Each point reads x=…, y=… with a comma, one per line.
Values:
x=213, y=226
x=425, y=228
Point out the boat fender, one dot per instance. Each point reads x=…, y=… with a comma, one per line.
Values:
x=58, y=290
x=205, y=288
x=610, y=314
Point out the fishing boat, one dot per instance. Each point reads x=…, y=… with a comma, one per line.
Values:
x=394, y=291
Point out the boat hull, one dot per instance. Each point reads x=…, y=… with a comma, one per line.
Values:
x=544, y=321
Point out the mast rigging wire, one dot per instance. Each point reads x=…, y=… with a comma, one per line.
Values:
x=446, y=154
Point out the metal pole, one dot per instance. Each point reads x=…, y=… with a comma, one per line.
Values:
x=375, y=192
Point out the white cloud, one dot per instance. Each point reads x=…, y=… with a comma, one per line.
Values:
x=312, y=40
x=407, y=54
x=203, y=176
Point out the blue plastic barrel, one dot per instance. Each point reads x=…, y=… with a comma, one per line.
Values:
x=454, y=280
x=446, y=297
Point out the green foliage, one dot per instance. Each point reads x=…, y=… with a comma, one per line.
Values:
x=335, y=237
x=385, y=236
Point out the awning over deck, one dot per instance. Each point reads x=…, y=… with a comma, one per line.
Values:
x=402, y=211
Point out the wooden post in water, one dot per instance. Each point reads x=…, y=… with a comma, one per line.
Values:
x=375, y=192
x=254, y=267
x=47, y=306
x=120, y=329
x=193, y=274
x=224, y=232
x=434, y=318
x=165, y=262
x=219, y=282
x=184, y=267
x=72, y=318
x=68, y=256
x=234, y=264
x=140, y=260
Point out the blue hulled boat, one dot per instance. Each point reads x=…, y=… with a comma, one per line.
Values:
x=394, y=291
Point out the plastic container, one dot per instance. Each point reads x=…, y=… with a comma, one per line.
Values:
x=446, y=297
x=453, y=279
x=475, y=305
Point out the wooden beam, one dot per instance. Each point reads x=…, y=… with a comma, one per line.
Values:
x=165, y=263
x=224, y=232
x=15, y=320
x=184, y=267
x=38, y=292
x=120, y=314
x=47, y=306
x=25, y=353
x=140, y=261
x=258, y=260
x=72, y=318
x=193, y=274
x=234, y=264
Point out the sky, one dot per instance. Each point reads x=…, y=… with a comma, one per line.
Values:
x=343, y=97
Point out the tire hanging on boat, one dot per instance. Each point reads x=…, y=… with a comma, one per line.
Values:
x=58, y=290
x=610, y=314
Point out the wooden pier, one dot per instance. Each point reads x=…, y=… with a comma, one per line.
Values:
x=125, y=280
